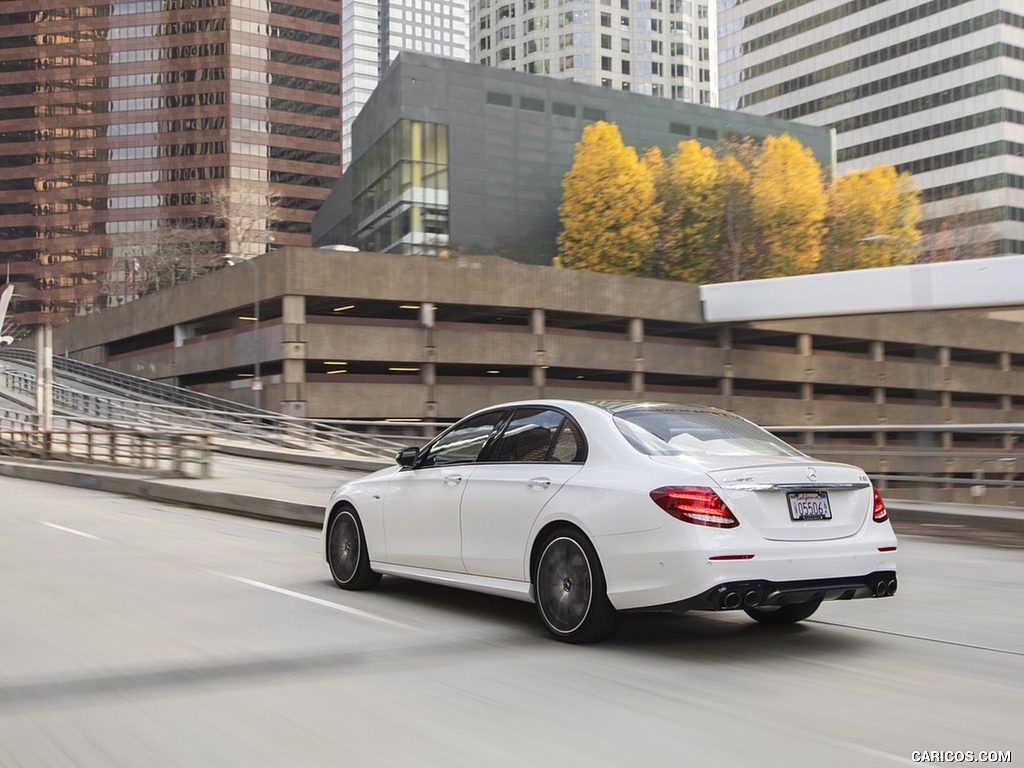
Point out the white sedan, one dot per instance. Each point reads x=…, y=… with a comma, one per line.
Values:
x=591, y=510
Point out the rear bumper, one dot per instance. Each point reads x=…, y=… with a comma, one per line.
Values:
x=760, y=593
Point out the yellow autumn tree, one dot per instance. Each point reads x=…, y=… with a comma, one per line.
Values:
x=787, y=208
x=657, y=166
x=738, y=236
x=608, y=210
x=872, y=220
x=692, y=198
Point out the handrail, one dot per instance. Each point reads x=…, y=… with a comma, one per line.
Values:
x=264, y=427
x=170, y=452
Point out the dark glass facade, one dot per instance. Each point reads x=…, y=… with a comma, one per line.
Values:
x=401, y=191
x=134, y=134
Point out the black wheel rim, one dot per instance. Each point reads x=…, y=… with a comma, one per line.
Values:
x=564, y=585
x=344, y=547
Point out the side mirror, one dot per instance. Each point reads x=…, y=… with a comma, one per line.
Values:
x=407, y=457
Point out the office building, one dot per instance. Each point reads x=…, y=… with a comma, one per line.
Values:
x=134, y=130
x=664, y=48
x=933, y=87
x=453, y=156
x=376, y=31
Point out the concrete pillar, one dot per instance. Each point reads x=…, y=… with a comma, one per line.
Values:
x=293, y=356
x=428, y=314
x=428, y=365
x=637, y=382
x=804, y=344
x=293, y=310
x=725, y=382
x=538, y=372
x=537, y=322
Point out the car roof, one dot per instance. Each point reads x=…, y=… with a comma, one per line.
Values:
x=609, y=406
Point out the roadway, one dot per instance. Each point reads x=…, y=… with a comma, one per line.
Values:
x=140, y=634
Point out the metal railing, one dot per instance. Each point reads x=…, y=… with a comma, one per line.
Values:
x=97, y=375
x=169, y=452
x=962, y=463
x=265, y=428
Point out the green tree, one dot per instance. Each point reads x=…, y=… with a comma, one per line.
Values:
x=872, y=218
x=787, y=208
x=608, y=210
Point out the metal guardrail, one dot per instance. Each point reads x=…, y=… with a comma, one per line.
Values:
x=170, y=452
x=964, y=463
x=97, y=375
x=265, y=428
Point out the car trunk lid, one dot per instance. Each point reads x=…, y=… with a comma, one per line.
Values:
x=791, y=498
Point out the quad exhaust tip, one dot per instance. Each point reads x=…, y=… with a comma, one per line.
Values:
x=732, y=600
x=885, y=588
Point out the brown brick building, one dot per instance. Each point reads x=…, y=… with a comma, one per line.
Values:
x=141, y=140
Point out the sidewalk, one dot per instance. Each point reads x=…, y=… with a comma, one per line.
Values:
x=282, y=486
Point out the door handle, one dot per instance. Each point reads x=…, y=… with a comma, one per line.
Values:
x=452, y=479
x=539, y=483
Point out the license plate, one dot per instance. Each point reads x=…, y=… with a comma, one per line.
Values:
x=809, y=506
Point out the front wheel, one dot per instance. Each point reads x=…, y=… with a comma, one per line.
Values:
x=570, y=589
x=346, y=552
x=784, y=614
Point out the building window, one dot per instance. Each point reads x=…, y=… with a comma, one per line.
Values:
x=499, y=99
x=400, y=201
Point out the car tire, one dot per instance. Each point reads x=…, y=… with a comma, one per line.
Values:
x=784, y=614
x=346, y=552
x=570, y=590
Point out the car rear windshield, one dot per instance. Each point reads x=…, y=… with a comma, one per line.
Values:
x=673, y=431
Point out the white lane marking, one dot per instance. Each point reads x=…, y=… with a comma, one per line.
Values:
x=318, y=601
x=72, y=530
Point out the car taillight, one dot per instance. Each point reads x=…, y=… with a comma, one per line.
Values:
x=879, y=513
x=700, y=506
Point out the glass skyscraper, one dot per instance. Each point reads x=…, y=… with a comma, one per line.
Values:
x=139, y=139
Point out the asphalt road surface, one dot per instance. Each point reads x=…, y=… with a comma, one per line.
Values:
x=139, y=634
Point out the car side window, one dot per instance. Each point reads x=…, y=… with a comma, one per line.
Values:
x=536, y=435
x=463, y=444
x=569, y=443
